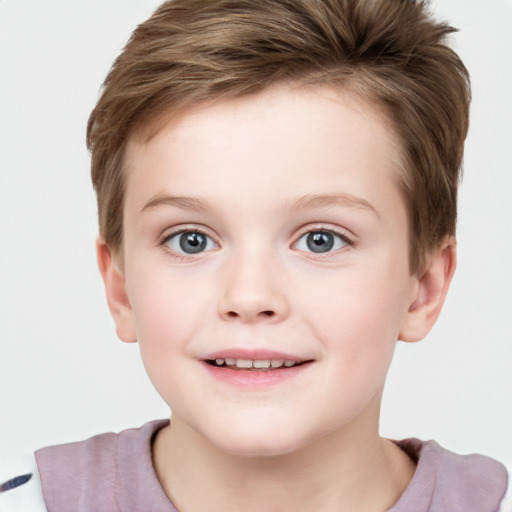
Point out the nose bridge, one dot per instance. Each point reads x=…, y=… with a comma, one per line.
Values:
x=252, y=290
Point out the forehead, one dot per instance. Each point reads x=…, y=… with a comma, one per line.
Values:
x=295, y=135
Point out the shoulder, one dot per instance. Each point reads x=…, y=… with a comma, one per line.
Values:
x=21, y=491
x=101, y=449
x=91, y=473
x=465, y=483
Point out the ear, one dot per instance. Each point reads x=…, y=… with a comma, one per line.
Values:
x=115, y=289
x=430, y=293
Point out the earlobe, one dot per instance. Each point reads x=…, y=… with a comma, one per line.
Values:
x=115, y=290
x=430, y=294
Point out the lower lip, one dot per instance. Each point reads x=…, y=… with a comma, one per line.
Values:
x=254, y=378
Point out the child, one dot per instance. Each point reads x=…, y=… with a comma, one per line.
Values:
x=276, y=188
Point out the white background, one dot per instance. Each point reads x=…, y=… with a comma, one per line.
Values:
x=63, y=374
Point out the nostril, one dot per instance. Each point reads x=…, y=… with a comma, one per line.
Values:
x=249, y=315
x=267, y=314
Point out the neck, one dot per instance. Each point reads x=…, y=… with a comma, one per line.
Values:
x=345, y=471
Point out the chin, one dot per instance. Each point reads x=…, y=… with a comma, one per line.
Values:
x=258, y=448
x=266, y=441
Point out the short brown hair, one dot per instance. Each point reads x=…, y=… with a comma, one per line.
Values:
x=389, y=51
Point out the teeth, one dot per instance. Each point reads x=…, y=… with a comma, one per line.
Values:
x=260, y=364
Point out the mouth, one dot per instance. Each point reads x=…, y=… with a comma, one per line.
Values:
x=254, y=365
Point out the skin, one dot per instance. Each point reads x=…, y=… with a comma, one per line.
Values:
x=259, y=174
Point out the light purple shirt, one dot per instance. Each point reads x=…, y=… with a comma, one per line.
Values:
x=114, y=473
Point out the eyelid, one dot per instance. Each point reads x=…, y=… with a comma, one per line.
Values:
x=322, y=228
x=177, y=231
x=184, y=228
x=328, y=228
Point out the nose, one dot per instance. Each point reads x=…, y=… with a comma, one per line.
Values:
x=252, y=291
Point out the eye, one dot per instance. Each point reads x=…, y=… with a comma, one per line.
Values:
x=190, y=242
x=321, y=241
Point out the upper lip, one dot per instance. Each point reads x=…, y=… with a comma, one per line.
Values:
x=253, y=355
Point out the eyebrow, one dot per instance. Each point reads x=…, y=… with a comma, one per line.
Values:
x=185, y=203
x=306, y=202
x=319, y=201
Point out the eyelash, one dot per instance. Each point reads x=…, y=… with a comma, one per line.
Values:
x=345, y=240
x=166, y=238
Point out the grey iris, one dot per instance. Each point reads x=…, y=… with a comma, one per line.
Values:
x=320, y=241
x=192, y=242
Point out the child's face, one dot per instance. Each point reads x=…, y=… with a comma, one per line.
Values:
x=268, y=228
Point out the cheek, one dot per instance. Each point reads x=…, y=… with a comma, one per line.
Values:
x=165, y=322
x=166, y=311
x=364, y=308
x=359, y=340
x=358, y=325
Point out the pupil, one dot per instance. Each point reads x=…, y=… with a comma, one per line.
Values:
x=320, y=241
x=192, y=242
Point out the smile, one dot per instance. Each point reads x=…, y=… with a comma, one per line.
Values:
x=253, y=365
